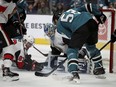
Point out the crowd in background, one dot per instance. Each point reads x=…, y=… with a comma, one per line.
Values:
x=48, y=7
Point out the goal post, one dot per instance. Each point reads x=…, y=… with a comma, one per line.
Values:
x=104, y=35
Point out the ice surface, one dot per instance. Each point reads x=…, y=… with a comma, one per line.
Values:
x=28, y=79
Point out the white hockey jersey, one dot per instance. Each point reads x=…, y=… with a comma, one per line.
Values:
x=58, y=43
x=6, y=10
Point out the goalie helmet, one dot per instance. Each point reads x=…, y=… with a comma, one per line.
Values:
x=49, y=30
x=28, y=41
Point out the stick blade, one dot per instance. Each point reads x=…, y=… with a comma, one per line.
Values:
x=37, y=73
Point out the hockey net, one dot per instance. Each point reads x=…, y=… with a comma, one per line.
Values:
x=104, y=34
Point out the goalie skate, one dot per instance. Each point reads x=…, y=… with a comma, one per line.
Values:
x=99, y=73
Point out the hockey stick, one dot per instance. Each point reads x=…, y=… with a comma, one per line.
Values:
x=47, y=53
x=21, y=31
x=37, y=73
x=40, y=51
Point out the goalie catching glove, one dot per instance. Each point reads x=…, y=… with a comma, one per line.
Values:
x=113, y=37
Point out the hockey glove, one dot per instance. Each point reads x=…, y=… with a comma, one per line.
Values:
x=113, y=37
x=101, y=18
x=20, y=25
x=32, y=65
x=27, y=62
x=36, y=66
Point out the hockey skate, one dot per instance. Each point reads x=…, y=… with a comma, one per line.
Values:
x=99, y=72
x=8, y=75
x=75, y=77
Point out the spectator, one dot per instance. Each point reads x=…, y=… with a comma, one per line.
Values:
x=67, y=3
x=110, y=6
x=30, y=1
x=59, y=8
x=112, y=1
x=43, y=9
x=78, y=3
x=115, y=4
x=31, y=10
x=92, y=1
x=53, y=8
x=36, y=3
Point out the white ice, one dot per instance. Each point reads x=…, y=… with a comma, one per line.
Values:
x=28, y=79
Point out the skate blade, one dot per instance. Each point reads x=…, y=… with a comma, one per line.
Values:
x=75, y=80
x=100, y=76
x=9, y=79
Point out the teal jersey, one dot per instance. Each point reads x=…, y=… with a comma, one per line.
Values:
x=73, y=19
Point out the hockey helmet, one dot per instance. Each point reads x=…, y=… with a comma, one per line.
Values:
x=49, y=30
x=28, y=41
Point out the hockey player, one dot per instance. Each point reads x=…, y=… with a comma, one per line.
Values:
x=15, y=25
x=78, y=25
x=7, y=9
x=22, y=59
x=58, y=44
